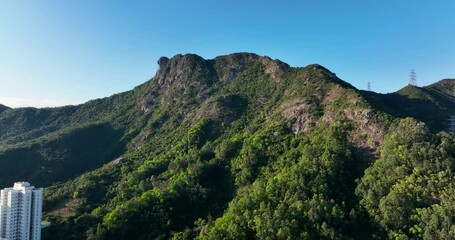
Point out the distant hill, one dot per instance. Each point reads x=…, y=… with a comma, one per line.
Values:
x=446, y=86
x=55, y=144
x=3, y=108
x=239, y=147
x=432, y=104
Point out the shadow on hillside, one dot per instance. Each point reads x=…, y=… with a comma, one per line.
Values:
x=433, y=112
x=56, y=160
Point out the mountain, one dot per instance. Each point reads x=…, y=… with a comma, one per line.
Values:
x=3, y=108
x=55, y=144
x=445, y=86
x=239, y=147
x=432, y=104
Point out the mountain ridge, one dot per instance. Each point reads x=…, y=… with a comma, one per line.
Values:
x=3, y=108
x=445, y=85
x=173, y=81
x=205, y=140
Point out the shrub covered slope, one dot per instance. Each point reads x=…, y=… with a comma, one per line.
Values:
x=240, y=147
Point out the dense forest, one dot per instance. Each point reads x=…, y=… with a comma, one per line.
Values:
x=240, y=147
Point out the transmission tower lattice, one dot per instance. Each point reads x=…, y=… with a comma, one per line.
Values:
x=452, y=124
x=413, y=78
x=369, y=86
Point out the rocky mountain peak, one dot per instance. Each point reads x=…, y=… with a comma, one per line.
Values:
x=230, y=66
x=182, y=69
x=162, y=65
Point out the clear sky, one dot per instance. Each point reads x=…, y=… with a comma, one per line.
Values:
x=55, y=52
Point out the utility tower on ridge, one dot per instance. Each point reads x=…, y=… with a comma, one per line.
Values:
x=369, y=86
x=413, y=78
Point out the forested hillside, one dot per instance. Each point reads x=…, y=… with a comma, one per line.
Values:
x=3, y=108
x=240, y=147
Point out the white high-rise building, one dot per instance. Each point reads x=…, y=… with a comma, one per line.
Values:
x=20, y=212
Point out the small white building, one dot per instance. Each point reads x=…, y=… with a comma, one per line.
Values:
x=20, y=212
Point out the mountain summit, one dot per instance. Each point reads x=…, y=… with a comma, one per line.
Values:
x=239, y=147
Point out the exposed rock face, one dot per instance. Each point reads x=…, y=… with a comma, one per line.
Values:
x=299, y=114
x=183, y=69
x=182, y=78
x=118, y=161
x=370, y=134
x=162, y=65
x=232, y=65
x=223, y=68
x=274, y=68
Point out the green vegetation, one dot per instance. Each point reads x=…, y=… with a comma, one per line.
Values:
x=3, y=108
x=239, y=147
x=445, y=86
x=409, y=190
x=432, y=104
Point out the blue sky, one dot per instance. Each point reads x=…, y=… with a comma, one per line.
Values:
x=55, y=52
